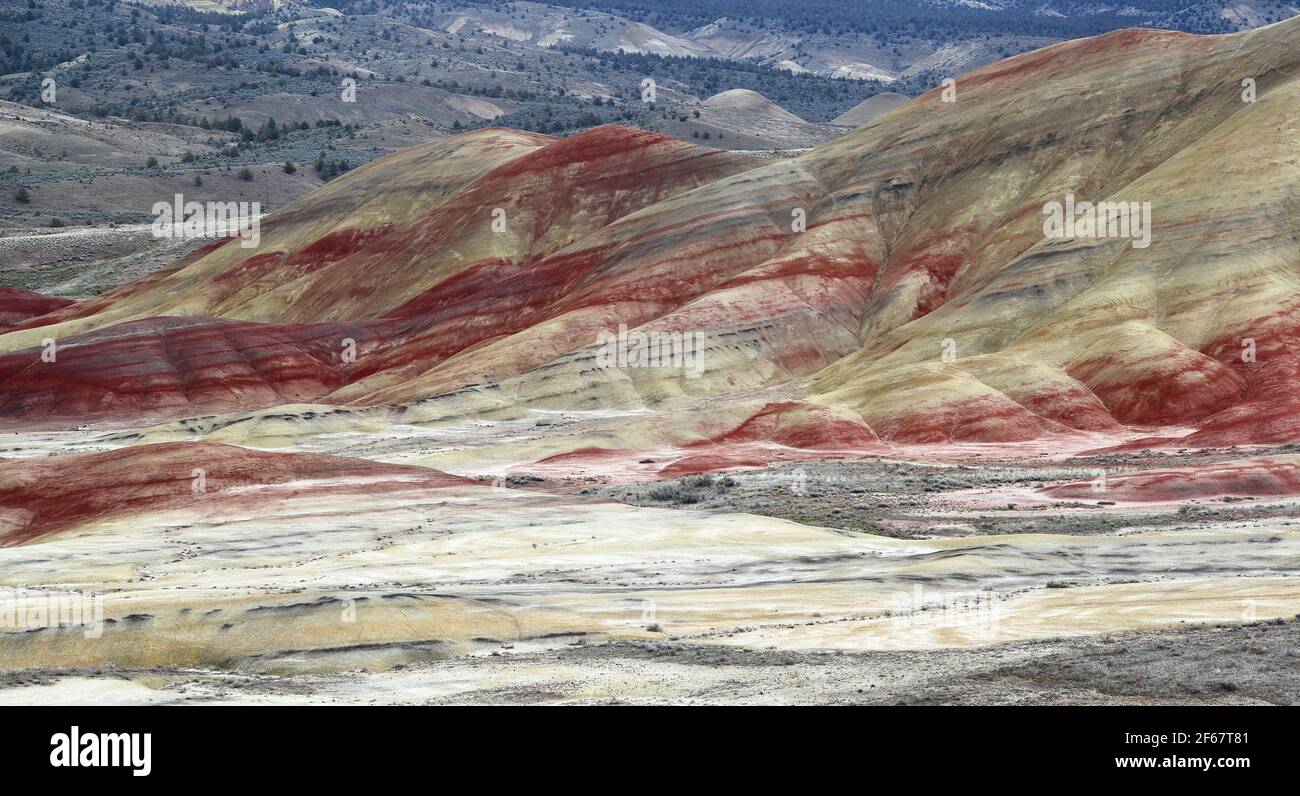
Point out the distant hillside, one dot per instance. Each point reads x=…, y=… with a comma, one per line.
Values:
x=885, y=40
x=232, y=92
x=937, y=18
x=744, y=119
x=870, y=108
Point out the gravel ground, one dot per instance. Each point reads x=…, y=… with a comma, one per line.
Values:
x=1226, y=665
x=907, y=500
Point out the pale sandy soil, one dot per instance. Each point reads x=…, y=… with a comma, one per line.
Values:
x=1255, y=664
x=802, y=582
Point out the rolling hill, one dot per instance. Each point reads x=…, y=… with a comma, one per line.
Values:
x=870, y=108
x=923, y=230
x=461, y=406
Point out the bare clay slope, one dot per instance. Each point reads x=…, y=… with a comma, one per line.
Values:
x=924, y=236
x=1081, y=333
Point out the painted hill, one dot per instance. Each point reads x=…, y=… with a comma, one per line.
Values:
x=236, y=454
x=921, y=303
x=39, y=499
x=21, y=305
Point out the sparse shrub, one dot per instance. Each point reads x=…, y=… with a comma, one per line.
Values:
x=701, y=481
x=688, y=490
x=666, y=493
x=662, y=492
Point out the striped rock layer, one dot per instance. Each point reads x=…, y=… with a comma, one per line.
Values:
x=892, y=285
